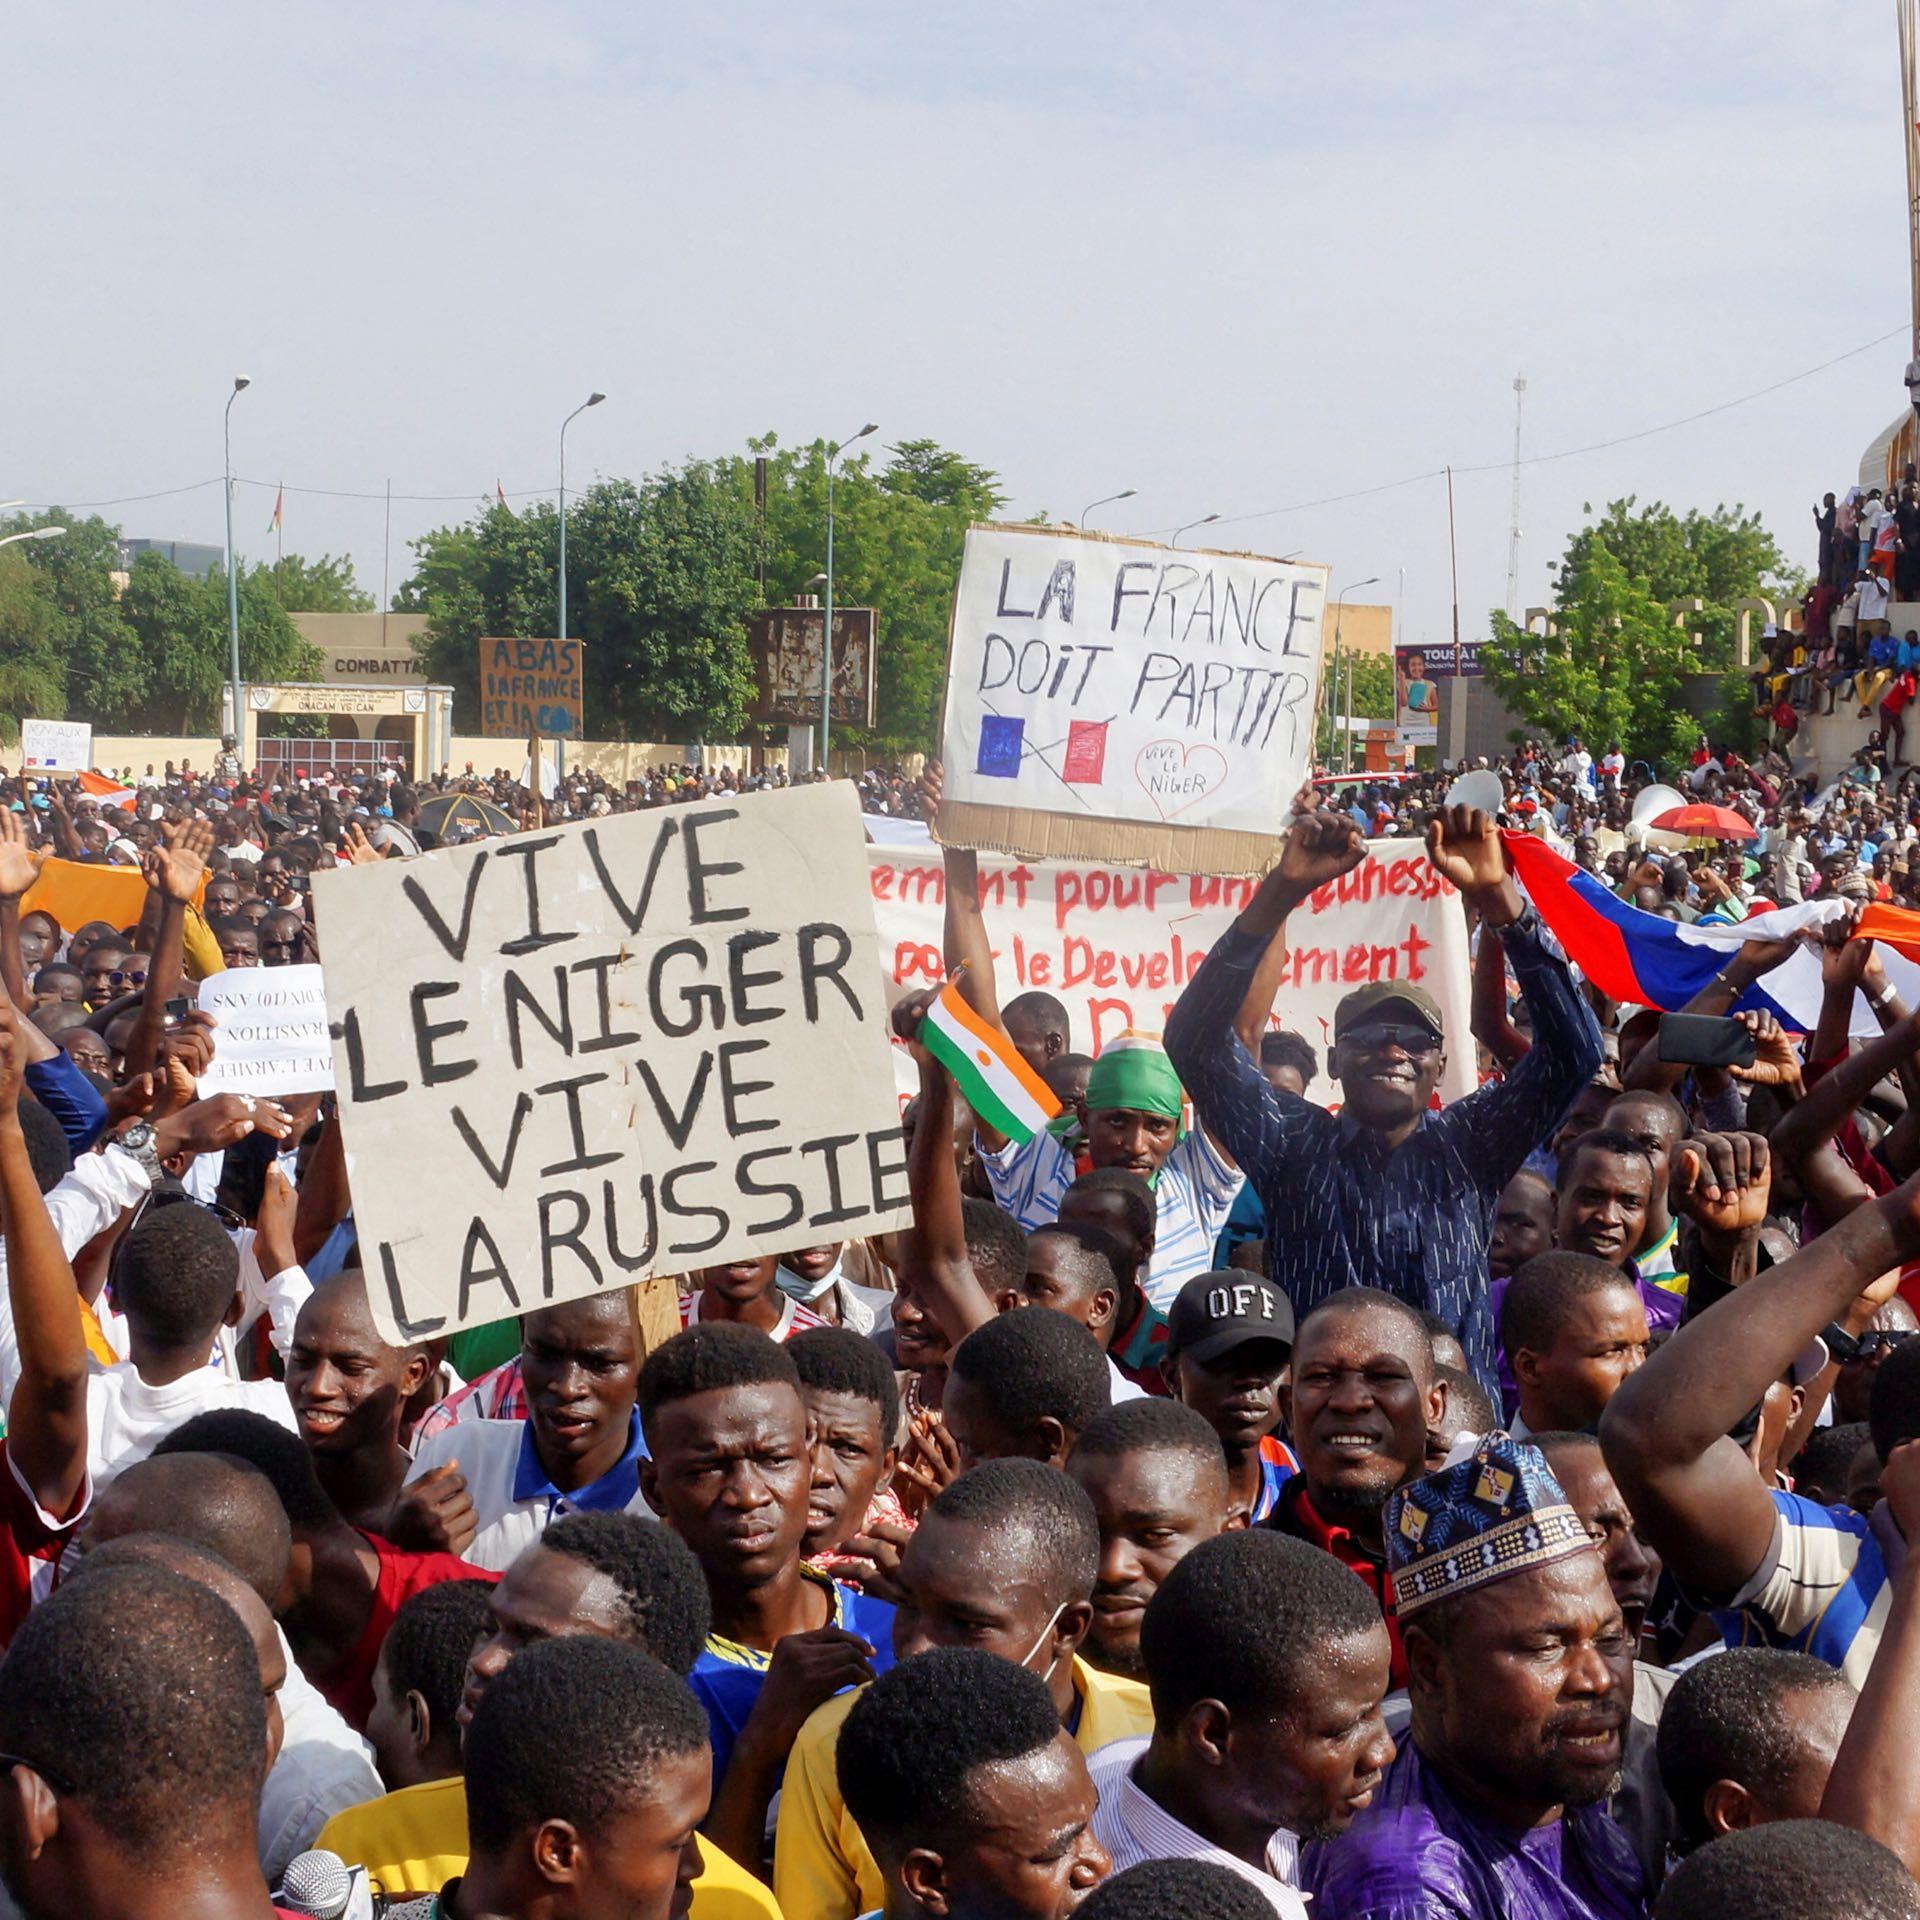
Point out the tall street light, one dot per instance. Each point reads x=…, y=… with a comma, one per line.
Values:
x=1106, y=501
x=826, y=636
x=559, y=740
x=240, y=384
x=1189, y=527
x=32, y=533
x=1346, y=737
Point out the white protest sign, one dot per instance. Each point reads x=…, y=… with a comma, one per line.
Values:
x=270, y=1031
x=571, y=1059
x=1116, y=944
x=64, y=745
x=1116, y=700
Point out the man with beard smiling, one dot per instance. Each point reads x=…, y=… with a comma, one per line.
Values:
x=494, y=1484
x=730, y=1472
x=1364, y=1393
x=1267, y=1664
x=1153, y=1470
x=1388, y=1191
x=1521, y=1672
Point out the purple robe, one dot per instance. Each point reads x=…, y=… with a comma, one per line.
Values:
x=1417, y=1853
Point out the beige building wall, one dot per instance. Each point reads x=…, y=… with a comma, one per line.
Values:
x=1363, y=629
x=366, y=649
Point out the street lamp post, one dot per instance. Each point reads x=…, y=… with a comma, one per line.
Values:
x=240, y=384
x=559, y=740
x=1189, y=527
x=1346, y=734
x=826, y=633
x=32, y=533
x=1107, y=500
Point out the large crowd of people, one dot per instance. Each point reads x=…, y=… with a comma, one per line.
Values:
x=1219, y=1502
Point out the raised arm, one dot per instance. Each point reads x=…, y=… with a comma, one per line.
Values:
x=1665, y=1432
x=1826, y=1105
x=1491, y=1023
x=324, y=1198
x=1874, y=1786
x=1509, y=1119
x=174, y=875
x=1843, y=970
x=47, y=1416
x=933, y=1250
x=1753, y=959
x=17, y=874
x=1204, y=1042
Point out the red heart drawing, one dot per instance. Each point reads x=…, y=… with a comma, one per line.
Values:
x=1177, y=777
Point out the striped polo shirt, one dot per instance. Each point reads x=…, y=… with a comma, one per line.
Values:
x=1824, y=1588
x=1193, y=1194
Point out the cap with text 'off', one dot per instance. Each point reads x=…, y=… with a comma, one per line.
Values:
x=1216, y=1312
x=1384, y=999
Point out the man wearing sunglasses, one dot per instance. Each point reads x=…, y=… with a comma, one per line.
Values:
x=1391, y=1193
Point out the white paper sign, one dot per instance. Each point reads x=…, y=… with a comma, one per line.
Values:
x=570, y=1059
x=1115, y=680
x=1117, y=944
x=270, y=1033
x=63, y=745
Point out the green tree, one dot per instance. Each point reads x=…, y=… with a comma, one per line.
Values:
x=660, y=581
x=1372, y=700
x=33, y=681
x=1611, y=670
x=898, y=533
x=662, y=577
x=1720, y=558
x=180, y=627
x=325, y=585
x=105, y=675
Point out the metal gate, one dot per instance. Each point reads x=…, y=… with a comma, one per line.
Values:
x=300, y=759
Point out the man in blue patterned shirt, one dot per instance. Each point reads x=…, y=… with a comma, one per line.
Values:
x=1389, y=1193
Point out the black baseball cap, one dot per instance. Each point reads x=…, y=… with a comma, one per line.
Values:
x=1382, y=998
x=1216, y=1312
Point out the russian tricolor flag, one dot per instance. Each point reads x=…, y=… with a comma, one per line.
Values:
x=1651, y=961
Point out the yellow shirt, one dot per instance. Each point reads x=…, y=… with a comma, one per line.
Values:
x=822, y=1869
x=415, y=1841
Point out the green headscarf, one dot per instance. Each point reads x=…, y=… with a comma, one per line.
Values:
x=1138, y=1078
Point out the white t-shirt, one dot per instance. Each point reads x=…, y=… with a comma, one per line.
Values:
x=1874, y=595
x=489, y=1455
x=87, y=1200
x=127, y=1418
x=324, y=1768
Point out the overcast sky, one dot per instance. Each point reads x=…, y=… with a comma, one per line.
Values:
x=1235, y=256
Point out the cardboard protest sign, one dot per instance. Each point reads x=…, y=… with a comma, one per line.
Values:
x=532, y=686
x=570, y=1059
x=1116, y=945
x=1116, y=700
x=65, y=745
x=270, y=1031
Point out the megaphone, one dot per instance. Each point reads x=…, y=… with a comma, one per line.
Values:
x=1649, y=805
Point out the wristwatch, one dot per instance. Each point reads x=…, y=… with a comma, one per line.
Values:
x=137, y=1141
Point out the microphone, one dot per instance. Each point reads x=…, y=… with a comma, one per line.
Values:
x=322, y=1885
